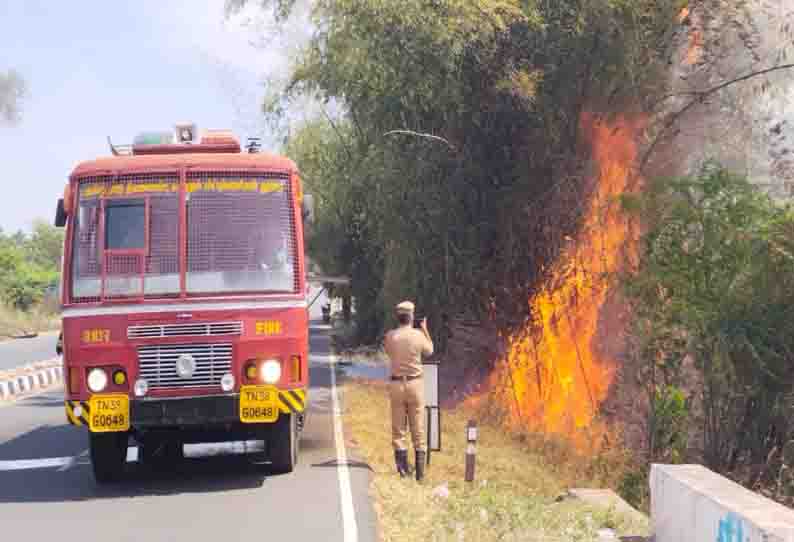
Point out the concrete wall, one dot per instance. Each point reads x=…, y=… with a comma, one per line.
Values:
x=690, y=503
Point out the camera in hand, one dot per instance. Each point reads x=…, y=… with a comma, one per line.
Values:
x=418, y=320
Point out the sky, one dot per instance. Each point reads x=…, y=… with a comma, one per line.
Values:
x=115, y=68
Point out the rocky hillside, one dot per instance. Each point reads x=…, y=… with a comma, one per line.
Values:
x=748, y=125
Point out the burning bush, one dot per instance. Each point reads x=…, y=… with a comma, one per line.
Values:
x=558, y=369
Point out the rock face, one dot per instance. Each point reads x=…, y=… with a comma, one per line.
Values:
x=748, y=126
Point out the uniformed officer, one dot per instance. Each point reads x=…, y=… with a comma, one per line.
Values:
x=405, y=347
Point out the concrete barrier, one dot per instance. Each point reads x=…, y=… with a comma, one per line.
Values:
x=41, y=379
x=690, y=503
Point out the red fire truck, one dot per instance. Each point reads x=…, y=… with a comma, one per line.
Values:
x=184, y=299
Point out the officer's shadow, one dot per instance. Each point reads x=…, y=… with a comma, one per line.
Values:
x=351, y=463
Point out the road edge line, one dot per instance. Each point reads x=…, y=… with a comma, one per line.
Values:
x=350, y=528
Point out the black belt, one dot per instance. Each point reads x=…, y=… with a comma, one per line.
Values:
x=398, y=378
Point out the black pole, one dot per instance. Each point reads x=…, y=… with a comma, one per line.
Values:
x=427, y=433
x=471, y=449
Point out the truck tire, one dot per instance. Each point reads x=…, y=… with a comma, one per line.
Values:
x=284, y=444
x=108, y=456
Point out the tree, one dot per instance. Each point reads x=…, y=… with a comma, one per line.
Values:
x=339, y=242
x=29, y=264
x=472, y=217
x=45, y=245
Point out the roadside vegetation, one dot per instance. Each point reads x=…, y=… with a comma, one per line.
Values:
x=445, y=157
x=450, y=166
x=29, y=271
x=713, y=340
x=515, y=493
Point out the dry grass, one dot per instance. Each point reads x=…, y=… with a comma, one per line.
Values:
x=512, y=499
x=14, y=322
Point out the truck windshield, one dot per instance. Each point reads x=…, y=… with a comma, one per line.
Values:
x=128, y=240
x=240, y=235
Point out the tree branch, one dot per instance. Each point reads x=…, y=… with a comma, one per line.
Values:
x=699, y=97
x=712, y=90
x=419, y=134
x=338, y=134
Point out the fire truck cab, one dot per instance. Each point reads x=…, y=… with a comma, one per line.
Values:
x=184, y=299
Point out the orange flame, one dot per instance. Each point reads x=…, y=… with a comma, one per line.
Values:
x=694, y=51
x=696, y=39
x=555, y=375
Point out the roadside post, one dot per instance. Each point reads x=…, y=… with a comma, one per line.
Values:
x=471, y=449
x=432, y=411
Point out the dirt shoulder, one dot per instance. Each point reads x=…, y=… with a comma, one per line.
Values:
x=19, y=324
x=514, y=497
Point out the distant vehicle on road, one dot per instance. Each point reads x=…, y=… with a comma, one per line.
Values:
x=184, y=298
x=326, y=313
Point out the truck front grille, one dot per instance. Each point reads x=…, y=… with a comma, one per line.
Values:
x=184, y=330
x=157, y=364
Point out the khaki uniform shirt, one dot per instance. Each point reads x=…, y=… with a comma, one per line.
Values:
x=405, y=347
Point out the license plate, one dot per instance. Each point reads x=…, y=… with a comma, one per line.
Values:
x=258, y=404
x=108, y=413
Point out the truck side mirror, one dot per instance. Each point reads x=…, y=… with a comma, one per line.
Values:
x=60, y=214
x=307, y=206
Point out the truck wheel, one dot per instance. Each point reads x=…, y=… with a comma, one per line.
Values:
x=284, y=443
x=108, y=456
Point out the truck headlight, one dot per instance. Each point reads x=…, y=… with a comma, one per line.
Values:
x=271, y=371
x=97, y=380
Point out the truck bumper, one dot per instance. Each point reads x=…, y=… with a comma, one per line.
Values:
x=212, y=410
x=202, y=411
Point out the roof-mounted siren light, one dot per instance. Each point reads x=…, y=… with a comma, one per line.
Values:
x=185, y=133
x=219, y=137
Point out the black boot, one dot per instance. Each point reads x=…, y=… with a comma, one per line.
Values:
x=421, y=459
x=401, y=460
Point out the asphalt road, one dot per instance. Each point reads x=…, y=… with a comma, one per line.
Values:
x=16, y=352
x=47, y=491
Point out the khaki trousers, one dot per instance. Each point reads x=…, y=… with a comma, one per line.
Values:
x=408, y=402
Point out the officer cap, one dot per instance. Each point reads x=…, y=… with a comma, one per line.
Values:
x=406, y=307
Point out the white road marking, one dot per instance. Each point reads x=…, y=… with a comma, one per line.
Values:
x=191, y=450
x=348, y=514
x=27, y=464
